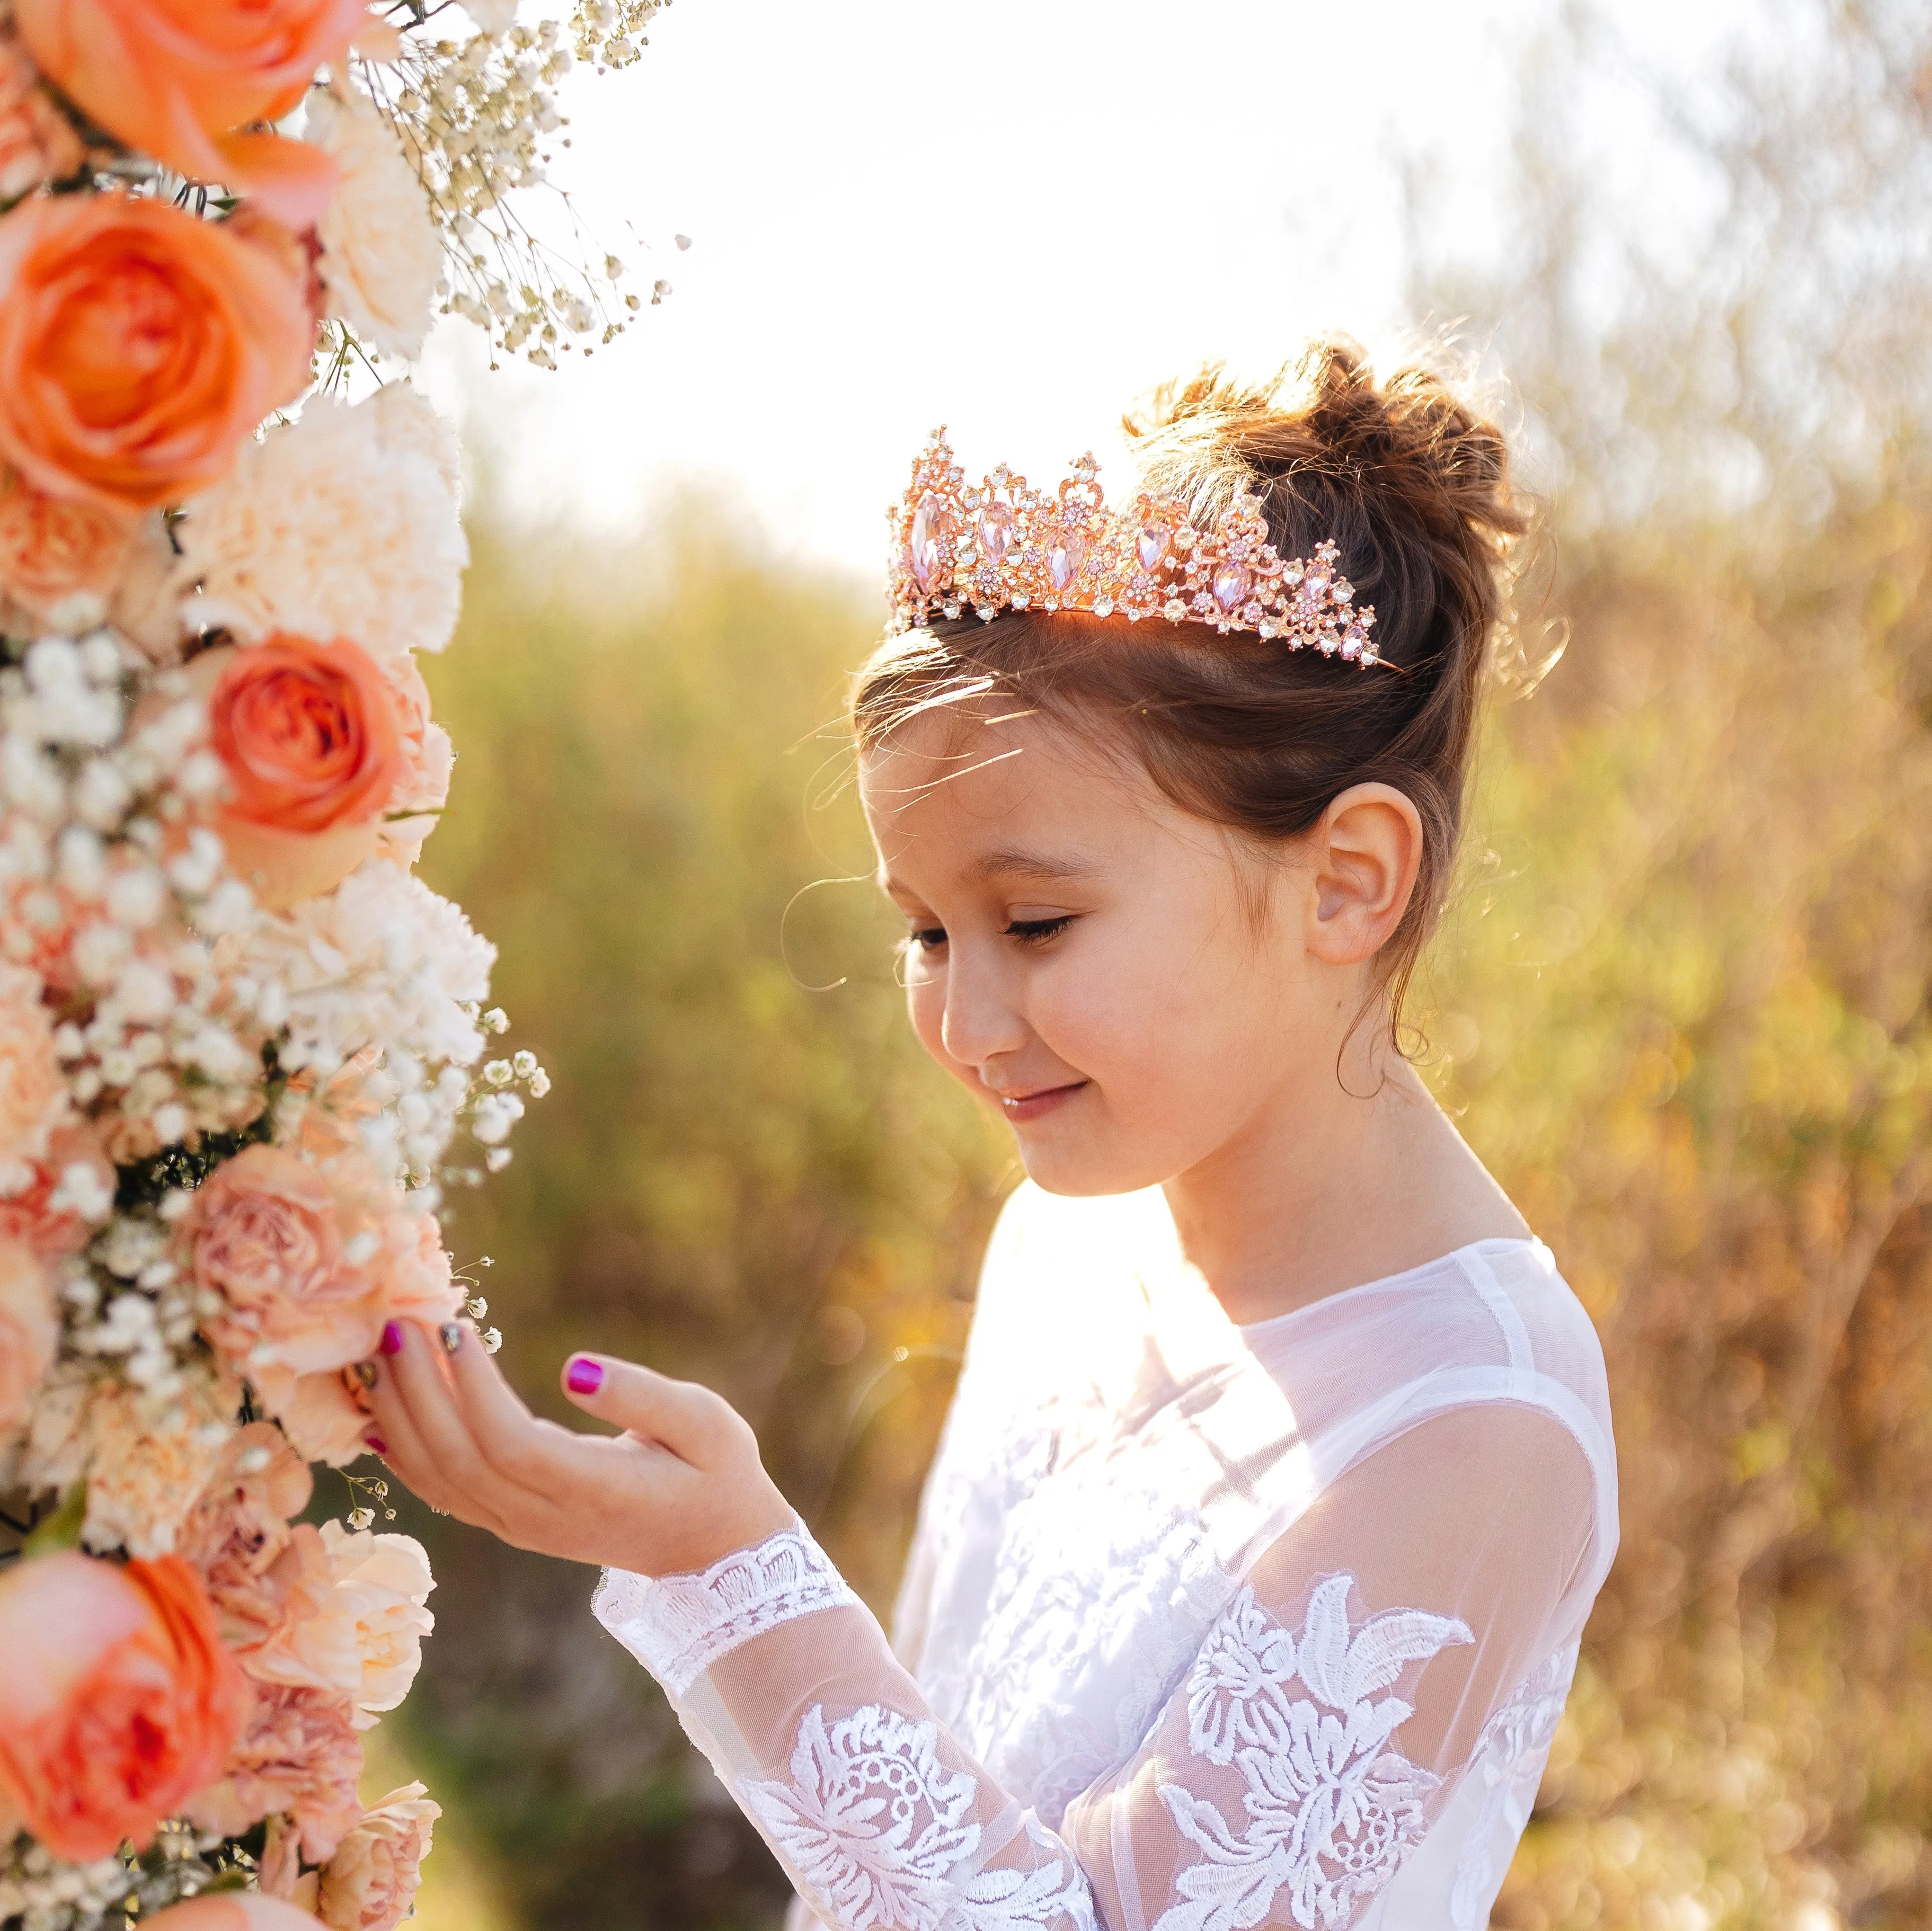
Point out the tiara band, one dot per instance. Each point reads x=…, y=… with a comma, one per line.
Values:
x=1004, y=546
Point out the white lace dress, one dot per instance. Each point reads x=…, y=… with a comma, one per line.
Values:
x=1205, y=1628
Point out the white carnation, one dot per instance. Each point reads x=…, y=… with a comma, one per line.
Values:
x=342, y=523
x=379, y=961
x=381, y=257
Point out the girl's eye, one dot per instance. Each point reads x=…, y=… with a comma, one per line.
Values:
x=928, y=938
x=1037, y=931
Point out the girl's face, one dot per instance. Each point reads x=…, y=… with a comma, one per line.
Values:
x=1131, y=987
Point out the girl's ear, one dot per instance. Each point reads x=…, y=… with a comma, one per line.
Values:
x=1367, y=851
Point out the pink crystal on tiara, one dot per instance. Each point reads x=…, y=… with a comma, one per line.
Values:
x=1003, y=545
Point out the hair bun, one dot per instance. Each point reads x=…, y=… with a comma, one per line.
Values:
x=1405, y=475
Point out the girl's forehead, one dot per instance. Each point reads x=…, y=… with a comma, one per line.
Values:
x=952, y=800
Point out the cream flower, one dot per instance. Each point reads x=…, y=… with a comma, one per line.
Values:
x=370, y=1885
x=33, y=1095
x=149, y=1460
x=382, y=1581
x=338, y=1613
x=381, y=257
x=341, y=523
x=29, y=1331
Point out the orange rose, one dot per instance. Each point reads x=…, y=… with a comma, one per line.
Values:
x=117, y=1699
x=309, y=735
x=178, y=79
x=138, y=346
x=38, y=143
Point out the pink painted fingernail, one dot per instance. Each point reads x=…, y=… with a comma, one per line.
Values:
x=585, y=1377
x=376, y=1442
x=392, y=1337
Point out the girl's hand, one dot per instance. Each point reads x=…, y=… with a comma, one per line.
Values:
x=681, y=1487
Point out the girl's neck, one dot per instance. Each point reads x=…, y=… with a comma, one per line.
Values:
x=1323, y=1191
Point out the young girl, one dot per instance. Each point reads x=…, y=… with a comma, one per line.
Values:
x=1279, y=1483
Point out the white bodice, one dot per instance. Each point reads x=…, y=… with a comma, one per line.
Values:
x=1210, y=1626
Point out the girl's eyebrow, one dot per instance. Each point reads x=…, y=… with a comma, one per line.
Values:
x=1008, y=863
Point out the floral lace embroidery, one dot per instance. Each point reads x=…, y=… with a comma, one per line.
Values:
x=677, y=1626
x=1332, y=1811
x=1509, y=1759
x=881, y=1835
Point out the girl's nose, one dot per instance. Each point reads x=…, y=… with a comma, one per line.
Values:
x=979, y=1022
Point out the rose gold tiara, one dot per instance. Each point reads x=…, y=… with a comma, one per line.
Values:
x=1005, y=546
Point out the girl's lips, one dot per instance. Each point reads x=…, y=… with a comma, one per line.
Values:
x=1021, y=1107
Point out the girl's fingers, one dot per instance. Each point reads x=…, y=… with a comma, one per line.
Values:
x=394, y=1437
x=426, y=1399
x=697, y=1426
x=509, y=1438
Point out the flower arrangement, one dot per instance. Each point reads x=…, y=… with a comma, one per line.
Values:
x=240, y=1041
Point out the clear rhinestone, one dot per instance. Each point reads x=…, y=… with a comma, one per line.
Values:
x=1345, y=593
x=1174, y=610
x=1103, y=607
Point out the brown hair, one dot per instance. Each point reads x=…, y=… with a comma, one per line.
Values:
x=1411, y=484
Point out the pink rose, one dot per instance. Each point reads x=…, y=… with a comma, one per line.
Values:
x=29, y=1331
x=239, y=1530
x=267, y=1233
x=371, y=1883
x=33, y=1095
x=299, y=1754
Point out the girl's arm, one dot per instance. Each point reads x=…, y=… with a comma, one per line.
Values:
x=1369, y=1661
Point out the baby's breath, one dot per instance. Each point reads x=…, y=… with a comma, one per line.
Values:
x=478, y=119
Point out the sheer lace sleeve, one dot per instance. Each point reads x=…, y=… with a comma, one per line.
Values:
x=1331, y=1713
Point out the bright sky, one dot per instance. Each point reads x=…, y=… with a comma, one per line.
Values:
x=1010, y=216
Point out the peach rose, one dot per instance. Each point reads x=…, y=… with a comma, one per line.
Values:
x=230, y=1911
x=117, y=1698
x=381, y=1582
x=47, y=1213
x=266, y=1233
x=422, y=785
x=371, y=1883
x=29, y=1331
x=299, y=1754
x=143, y=1479
x=325, y=1414
x=309, y=734
x=38, y=143
x=139, y=345
x=33, y=1095
x=239, y=1528
x=178, y=82
x=69, y=565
